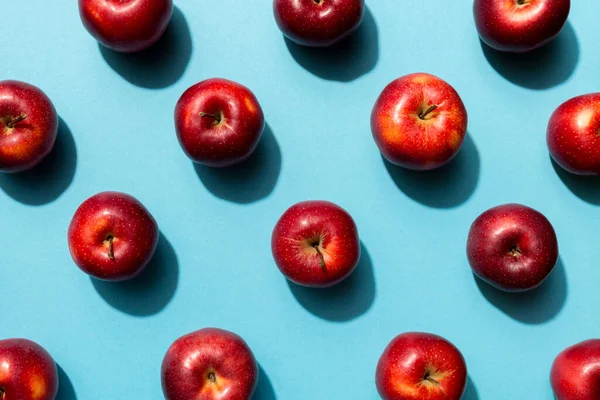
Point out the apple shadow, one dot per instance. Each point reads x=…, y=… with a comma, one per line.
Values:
x=66, y=391
x=543, y=68
x=533, y=307
x=446, y=187
x=50, y=178
x=264, y=389
x=345, y=301
x=587, y=188
x=250, y=181
x=471, y=391
x=151, y=291
x=345, y=61
x=161, y=65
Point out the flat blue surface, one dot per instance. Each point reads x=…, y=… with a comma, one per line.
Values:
x=214, y=265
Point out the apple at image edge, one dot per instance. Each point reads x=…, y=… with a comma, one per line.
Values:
x=318, y=23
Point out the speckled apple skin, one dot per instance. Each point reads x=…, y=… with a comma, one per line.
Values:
x=496, y=232
x=575, y=373
x=29, y=141
x=27, y=371
x=224, y=143
x=409, y=141
x=573, y=135
x=126, y=26
x=323, y=222
x=507, y=26
x=411, y=356
x=318, y=24
x=191, y=358
x=121, y=216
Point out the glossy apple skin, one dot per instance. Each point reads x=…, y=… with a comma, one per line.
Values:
x=413, y=356
x=190, y=360
x=512, y=247
x=314, y=24
x=224, y=143
x=572, y=135
x=126, y=26
x=575, y=373
x=27, y=371
x=507, y=26
x=311, y=225
x=119, y=216
x=409, y=140
x=25, y=143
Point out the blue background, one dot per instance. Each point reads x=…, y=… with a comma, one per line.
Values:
x=214, y=265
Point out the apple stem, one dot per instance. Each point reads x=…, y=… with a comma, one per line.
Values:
x=429, y=110
x=212, y=377
x=1, y=393
x=430, y=379
x=111, y=250
x=321, y=258
x=217, y=118
x=11, y=124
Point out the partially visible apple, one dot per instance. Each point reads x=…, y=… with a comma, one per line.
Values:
x=575, y=372
x=209, y=364
x=573, y=135
x=512, y=247
x=318, y=23
x=419, y=122
x=316, y=244
x=126, y=26
x=418, y=366
x=28, y=126
x=218, y=122
x=27, y=371
x=519, y=26
x=112, y=236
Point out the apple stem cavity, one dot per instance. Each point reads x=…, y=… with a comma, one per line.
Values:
x=212, y=377
x=515, y=252
x=11, y=124
x=427, y=112
x=217, y=117
x=111, y=250
x=321, y=258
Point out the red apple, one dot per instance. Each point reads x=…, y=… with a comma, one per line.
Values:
x=572, y=136
x=209, y=364
x=126, y=25
x=27, y=371
x=575, y=373
x=519, y=26
x=218, y=122
x=512, y=247
x=318, y=23
x=315, y=244
x=419, y=122
x=112, y=236
x=28, y=126
x=417, y=366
